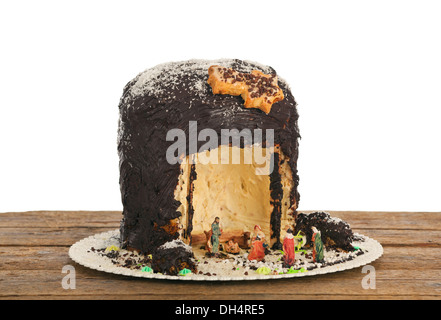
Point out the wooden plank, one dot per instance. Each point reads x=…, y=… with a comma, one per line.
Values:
x=68, y=236
x=400, y=271
x=46, y=236
x=390, y=220
x=388, y=283
x=54, y=258
x=190, y=296
x=357, y=219
x=34, y=258
x=59, y=219
x=34, y=248
x=413, y=238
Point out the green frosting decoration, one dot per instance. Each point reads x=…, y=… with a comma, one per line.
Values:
x=263, y=270
x=146, y=269
x=112, y=248
x=291, y=270
x=184, y=272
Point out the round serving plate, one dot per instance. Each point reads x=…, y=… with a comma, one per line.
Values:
x=88, y=252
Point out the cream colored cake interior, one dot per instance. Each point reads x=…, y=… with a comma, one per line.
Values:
x=234, y=185
x=232, y=192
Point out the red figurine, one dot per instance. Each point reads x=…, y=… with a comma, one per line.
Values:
x=257, y=249
x=289, y=256
x=258, y=232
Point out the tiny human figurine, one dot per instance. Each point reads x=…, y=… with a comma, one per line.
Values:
x=317, y=248
x=289, y=256
x=232, y=247
x=258, y=232
x=257, y=250
x=215, y=234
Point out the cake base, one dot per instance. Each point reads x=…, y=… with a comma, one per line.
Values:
x=91, y=252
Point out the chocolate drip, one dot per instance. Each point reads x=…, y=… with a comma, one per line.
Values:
x=276, y=196
x=192, y=178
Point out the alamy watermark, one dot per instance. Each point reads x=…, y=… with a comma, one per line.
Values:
x=69, y=280
x=368, y=281
x=260, y=153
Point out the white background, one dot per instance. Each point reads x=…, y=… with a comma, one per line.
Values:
x=366, y=76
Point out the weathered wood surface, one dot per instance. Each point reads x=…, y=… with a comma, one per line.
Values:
x=34, y=248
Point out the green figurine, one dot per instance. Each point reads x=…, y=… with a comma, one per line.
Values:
x=317, y=249
x=215, y=234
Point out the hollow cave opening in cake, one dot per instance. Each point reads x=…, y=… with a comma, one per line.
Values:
x=242, y=195
x=166, y=200
x=234, y=193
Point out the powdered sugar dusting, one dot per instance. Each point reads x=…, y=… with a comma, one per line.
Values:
x=175, y=244
x=163, y=80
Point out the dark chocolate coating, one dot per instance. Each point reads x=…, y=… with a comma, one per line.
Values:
x=147, y=180
x=171, y=260
x=276, y=189
x=335, y=229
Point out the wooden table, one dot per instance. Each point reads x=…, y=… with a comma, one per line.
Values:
x=34, y=248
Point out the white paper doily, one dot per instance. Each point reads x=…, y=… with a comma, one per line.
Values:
x=82, y=254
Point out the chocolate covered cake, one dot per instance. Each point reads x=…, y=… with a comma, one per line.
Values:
x=181, y=125
x=208, y=175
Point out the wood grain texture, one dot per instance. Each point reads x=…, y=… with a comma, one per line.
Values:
x=34, y=248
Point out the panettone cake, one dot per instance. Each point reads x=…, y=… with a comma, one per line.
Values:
x=208, y=161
